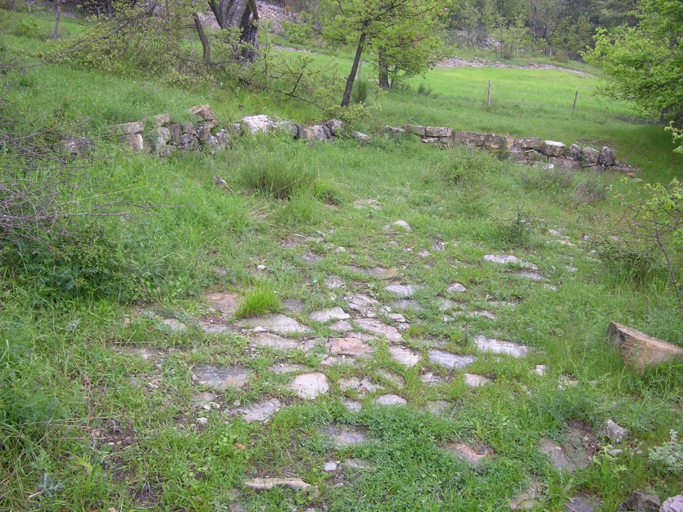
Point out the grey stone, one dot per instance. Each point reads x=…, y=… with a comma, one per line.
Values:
x=495, y=346
x=204, y=131
x=469, y=138
x=131, y=128
x=607, y=157
x=188, y=141
x=334, y=282
x=330, y=467
x=407, y=305
x=294, y=306
x=566, y=458
x=357, y=464
x=326, y=315
x=188, y=128
x=203, y=398
x=580, y=502
x=456, y=288
x=436, y=407
x=495, y=142
x=310, y=385
x=518, y=156
x=674, y=504
x=365, y=305
x=350, y=347
x=335, y=126
x=466, y=452
x=226, y=303
x=258, y=412
x=438, y=131
x=530, y=275
x=274, y=341
x=351, y=405
x=614, y=432
x=590, y=156
x=532, y=143
x=642, y=501
x=361, y=386
x=264, y=484
x=639, y=350
x=221, y=378
x=174, y=325
x=202, y=112
x=401, y=290
x=553, y=148
x=284, y=368
x=395, y=131
x=315, y=132
x=275, y=322
x=403, y=224
x=345, y=435
x=257, y=124
x=397, y=317
x=431, y=140
x=416, y=129
x=375, y=326
x=389, y=400
x=476, y=381
x=527, y=499
x=341, y=326
x=286, y=128
x=202, y=421
x=404, y=356
x=452, y=361
x=430, y=379
x=508, y=258
x=575, y=152
x=161, y=120
x=384, y=273
x=361, y=138
x=135, y=142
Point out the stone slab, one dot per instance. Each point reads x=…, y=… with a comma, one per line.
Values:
x=639, y=350
x=450, y=360
x=275, y=322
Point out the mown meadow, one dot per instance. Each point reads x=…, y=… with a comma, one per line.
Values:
x=98, y=407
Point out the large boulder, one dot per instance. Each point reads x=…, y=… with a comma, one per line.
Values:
x=130, y=128
x=553, y=148
x=590, y=156
x=335, y=126
x=257, y=124
x=607, y=157
x=361, y=138
x=639, y=350
x=315, y=132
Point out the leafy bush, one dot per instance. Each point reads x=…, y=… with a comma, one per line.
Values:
x=668, y=456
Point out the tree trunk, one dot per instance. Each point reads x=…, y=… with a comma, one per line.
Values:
x=55, y=33
x=535, y=20
x=346, y=100
x=383, y=71
x=202, y=37
x=242, y=14
x=248, y=35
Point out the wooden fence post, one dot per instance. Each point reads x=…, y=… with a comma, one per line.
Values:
x=489, y=102
x=576, y=97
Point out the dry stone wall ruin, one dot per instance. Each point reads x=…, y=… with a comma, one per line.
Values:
x=164, y=137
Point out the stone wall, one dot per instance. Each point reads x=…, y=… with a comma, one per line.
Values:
x=164, y=137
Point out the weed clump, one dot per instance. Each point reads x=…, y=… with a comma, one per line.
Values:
x=668, y=456
x=273, y=176
x=260, y=300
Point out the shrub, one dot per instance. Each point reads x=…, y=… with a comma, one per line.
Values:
x=668, y=456
x=361, y=91
x=273, y=175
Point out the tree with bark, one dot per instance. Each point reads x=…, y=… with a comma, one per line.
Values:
x=374, y=24
x=238, y=13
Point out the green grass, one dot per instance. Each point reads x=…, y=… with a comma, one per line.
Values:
x=87, y=423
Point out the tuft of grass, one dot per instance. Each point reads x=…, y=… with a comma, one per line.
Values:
x=262, y=299
x=272, y=175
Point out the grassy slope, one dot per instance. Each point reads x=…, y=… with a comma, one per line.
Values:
x=65, y=362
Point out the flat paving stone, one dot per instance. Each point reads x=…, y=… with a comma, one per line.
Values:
x=350, y=347
x=341, y=326
x=456, y=288
x=389, y=400
x=403, y=356
x=580, y=502
x=530, y=275
x=452, y=361
x=495, y=346
x=226, y=303
x=504, y=259
x=362, y=386
x=564, y=458
x=352, y=405
x=258, y=412
x=527, y=499
x=274, y=341
x=310, y=385
x=403, y=224
x=330, y=467
x=214, y=328
x=430, y=379
x=406, y=305
x=397, y=317
x=203, y=398
x=326, y=315
x=284, y=368
x=345, y=435
x=436, y=406
x=377, y=327
x=294, y=306
x=383, y=273
x=174, y=324
x=471, y=455
x=396, y=380
x=476, y=381
x=275, y=322
x=401, y=290
x=221, y=378
x=265, y=484
x=334, y=282
x=366, y=306
x=310, y=257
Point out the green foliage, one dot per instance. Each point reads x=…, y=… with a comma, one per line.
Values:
x=262, y=299
x=518, y=233
x=632, y=262
x=361, y=91
x=644, y=64
x=668, y=456
x=272, y=175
